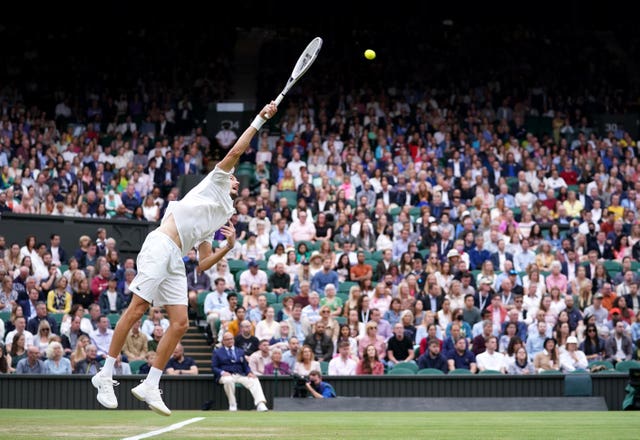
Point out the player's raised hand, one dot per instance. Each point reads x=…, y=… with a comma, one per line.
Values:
x=229, y=232
x=269, y=110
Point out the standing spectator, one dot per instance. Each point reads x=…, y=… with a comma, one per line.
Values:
x=230, y=367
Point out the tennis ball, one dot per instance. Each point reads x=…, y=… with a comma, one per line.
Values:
x=369, y=54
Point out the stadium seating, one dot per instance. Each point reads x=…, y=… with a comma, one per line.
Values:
x=401, y=371
x=430, y=371
x=625, y=366
x=407, y=365
x=135, y=366
x=460, y=372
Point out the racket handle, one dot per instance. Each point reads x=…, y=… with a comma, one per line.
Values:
x=278, y=101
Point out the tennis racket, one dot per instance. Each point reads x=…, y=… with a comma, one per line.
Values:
x=305, y=61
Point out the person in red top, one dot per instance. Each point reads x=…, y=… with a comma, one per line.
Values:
x=99, y=282
x=361, y=271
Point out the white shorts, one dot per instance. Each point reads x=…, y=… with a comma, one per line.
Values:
x=161, y=277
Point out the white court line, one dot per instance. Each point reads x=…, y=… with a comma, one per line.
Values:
x=163, y=430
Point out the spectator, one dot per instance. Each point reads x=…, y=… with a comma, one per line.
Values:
x=277, y=366
x=101, y=337
x=400, y=347
x=42, y=315
x=548, y=358
x=179, y=364
x=55, y=362
x=32, y=363
x=135, y=346
x=433, y=358
x=112, y=301
x=619, y=346
x=461, y=357
x=521, y=364
x=490, y=358
x=90, y=364
x=343, y=364
x=260, y=358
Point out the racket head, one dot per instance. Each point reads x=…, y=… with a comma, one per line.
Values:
x=307, y=58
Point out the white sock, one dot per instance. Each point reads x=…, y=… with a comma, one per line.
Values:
x=153, y=378
x=107, y=370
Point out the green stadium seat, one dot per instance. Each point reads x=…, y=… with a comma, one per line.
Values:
x=113, y=319
x=57, y=317
x=551, y=372
x=324, y=367
x=276, y=307
x=430, y=372
x=578, y=385
x=625, y=366
x=407, y=365
x=135, y=366
x=272, y=298
x=401, y=372
x=237, y=266
x=460, y=372
x=4, y=316
x=612, y=266
x=341, y=320
x=201, y=297
x=608, y=365
x=488, y=372
x=346, y=286
x=291, y=196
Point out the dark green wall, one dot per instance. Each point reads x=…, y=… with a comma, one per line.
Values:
x=76, y=392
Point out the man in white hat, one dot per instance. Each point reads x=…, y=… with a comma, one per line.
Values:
x=572, y=359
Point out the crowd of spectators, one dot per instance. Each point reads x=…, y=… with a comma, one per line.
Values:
x=467, y=240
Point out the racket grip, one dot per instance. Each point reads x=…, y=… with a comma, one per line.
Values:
x=278, y=101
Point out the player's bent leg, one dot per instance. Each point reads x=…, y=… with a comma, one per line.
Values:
x=103, y=381
x=148, y=391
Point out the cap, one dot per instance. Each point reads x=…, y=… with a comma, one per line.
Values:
x=615, y=310
x=465, y=214
x=252, y=263
x=304, y=261
x=513, y=272
x=485, y=280
x=598, y=295
x=112, y=192
x=453, y=253
x=315, y=254
x=572, y=340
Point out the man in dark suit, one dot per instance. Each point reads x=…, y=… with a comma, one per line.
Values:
x=445, y=244
x=498, y=258
x=602, y=247
x=42, y=315
x=433, y=299
x=230, y=367
x=69, y=341
x=29, y=305
x=387, y=194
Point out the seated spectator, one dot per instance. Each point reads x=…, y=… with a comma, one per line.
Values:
x=90, y=364
x=135, y=346
x=245, y=339
x=268, y=328
x=521, y=363
x=370, y=363
x=179, y=364
x=197, y=281
x=260, y=358
x=32, y=363
x=320, y=342
x=618, y=347
x=343, y=364
x=305, y=361
x=461, y=357
x=42, y=315
x=572, y=359
x=433, y=358
x=400, y=347
x=150, y=358
x=230, y=367
x=121, y=368
x=101, y=337
x=491, y=359
x=79, y=354
x=277, y=367
x=56, y=363
x=59, y=300
x=154, y=318
x=112, y=301
x=548, y=358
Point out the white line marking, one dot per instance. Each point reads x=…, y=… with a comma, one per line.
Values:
x=163, y=430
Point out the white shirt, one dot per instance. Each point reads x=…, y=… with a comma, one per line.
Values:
x=28, y=338
x=203, y=210
x=340, y=367
x=495, y=361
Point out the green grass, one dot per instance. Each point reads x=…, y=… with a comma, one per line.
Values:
x=103, y=424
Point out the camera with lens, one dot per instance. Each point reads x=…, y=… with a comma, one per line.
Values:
x=300, y=385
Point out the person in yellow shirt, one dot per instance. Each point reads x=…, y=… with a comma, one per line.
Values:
x=573, y=205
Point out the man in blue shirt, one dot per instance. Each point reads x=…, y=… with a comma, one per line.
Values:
x=318, y=388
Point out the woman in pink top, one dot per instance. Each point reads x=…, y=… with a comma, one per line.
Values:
x=371, y=337
x=557, y=279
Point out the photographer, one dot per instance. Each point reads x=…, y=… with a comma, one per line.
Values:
x=318, y=388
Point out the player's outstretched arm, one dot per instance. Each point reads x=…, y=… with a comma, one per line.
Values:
x=241, y=145
x=206, y=254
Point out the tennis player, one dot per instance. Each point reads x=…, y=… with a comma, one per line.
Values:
x=161, y=279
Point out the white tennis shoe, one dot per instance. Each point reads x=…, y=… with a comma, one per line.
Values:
x=104, y=385
x=152, y=396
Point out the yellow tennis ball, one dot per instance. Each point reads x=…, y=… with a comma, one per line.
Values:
x=369, y=54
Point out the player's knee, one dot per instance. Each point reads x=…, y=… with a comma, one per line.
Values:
x=180, y=325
